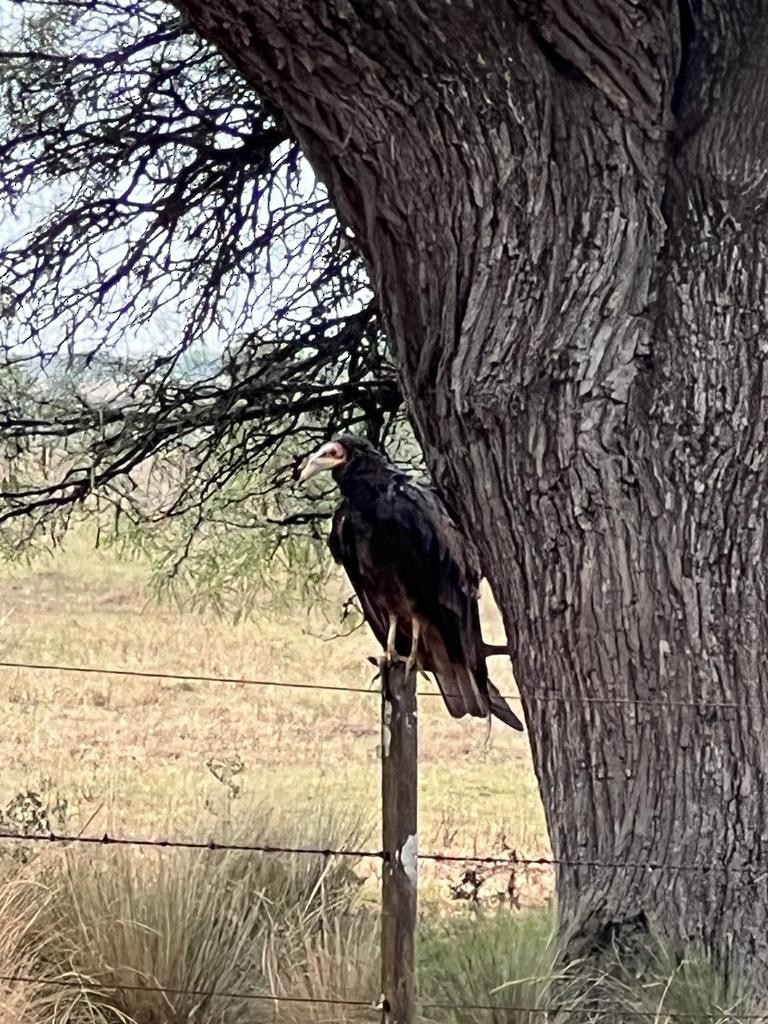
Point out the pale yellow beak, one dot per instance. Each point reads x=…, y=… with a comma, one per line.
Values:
x=318, y=463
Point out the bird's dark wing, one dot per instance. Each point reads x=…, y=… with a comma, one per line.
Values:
x=437, y=564
x=342, y=543
x=336, y=536
x=440, y=571
x=409, y=533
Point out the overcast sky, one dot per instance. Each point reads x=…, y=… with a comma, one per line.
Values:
x=166, y=324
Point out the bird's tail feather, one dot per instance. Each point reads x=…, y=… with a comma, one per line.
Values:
x=501, y=709
x=465, y=692
x=460, y=691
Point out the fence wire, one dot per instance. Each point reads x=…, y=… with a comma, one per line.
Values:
x=376, y=1005
x=555, y=696
x=511, y=860
x=210, y=845
x=86, y=985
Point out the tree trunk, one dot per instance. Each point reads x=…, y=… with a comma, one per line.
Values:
x=563, y=209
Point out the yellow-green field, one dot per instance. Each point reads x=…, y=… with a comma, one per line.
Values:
x=146, y=936
x=141, y=756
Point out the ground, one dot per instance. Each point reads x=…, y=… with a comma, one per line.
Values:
x=127, y=936
x=170, y=757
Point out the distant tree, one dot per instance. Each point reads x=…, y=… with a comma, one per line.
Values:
x=176, y=291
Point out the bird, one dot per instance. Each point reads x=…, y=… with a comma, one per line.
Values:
x=414, y=571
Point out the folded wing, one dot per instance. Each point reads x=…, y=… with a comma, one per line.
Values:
x=407, y=549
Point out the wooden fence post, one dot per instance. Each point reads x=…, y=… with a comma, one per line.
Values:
x=399, y=778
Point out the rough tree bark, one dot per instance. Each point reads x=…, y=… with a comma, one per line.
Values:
x=563, y=205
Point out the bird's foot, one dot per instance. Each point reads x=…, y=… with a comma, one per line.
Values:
x=393, y=657
x=412, y=661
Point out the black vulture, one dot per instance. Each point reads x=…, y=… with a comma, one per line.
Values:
x=414, y=573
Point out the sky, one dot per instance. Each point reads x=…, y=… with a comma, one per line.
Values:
x=165, y=325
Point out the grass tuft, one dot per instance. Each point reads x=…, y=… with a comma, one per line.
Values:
x=183, y=920
x=500, y=959
x=21, y=904
x=658, y=985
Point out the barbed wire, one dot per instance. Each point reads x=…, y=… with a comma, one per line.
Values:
x=208, y=845
x=511, y=860
x=561, y=698
x=375, y=1005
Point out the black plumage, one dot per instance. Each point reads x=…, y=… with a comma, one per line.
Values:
x=414, y=573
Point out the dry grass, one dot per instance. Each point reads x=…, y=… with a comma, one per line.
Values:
x=193, y=924
x=143, y=755
x=165, y=757
x=21, y=903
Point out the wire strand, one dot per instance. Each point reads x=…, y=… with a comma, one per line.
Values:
x=372, y=1005
x=512, y=860
x=26, y=979
x=560, y=698
x=657, y=1015
x=209, y=845
x=182, y=677
x=632, y=865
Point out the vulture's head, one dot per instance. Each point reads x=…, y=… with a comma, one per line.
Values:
x=344, y=453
